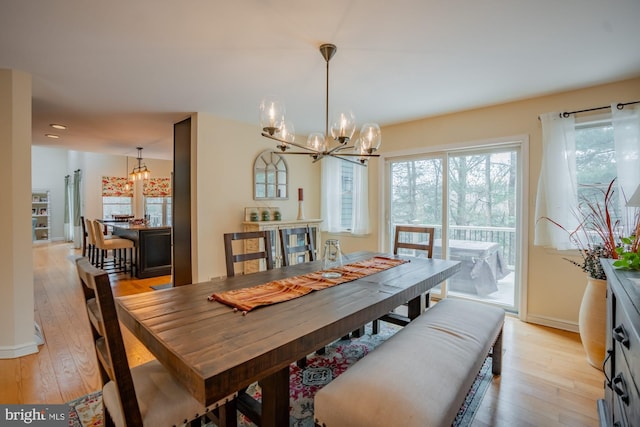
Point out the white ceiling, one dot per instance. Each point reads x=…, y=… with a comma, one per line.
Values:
x=120, y=73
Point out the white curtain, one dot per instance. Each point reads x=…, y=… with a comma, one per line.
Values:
x=68, y=232
x=331, y=206
x=557, y=185
x=626, y=134
x=360, y=218
x=77, y=228
x=332, y=197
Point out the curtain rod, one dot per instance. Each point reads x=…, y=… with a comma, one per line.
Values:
x=619, y=106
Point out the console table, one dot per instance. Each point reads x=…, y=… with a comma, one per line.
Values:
x=621, y=405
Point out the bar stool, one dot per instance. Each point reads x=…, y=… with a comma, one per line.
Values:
x=91, y=240
x=104, y=245
x=92, y=252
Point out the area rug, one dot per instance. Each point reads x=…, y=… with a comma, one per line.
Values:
x=304, y=383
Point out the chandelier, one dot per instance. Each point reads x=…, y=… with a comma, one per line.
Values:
x=140, y=171
x=320, y=145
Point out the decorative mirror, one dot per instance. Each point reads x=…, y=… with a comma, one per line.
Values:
x=270, y=178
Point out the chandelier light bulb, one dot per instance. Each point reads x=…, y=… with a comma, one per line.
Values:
x=287, y=132
x=317, y=142
x=271, y=115
x=370, y=137
x=343, y=127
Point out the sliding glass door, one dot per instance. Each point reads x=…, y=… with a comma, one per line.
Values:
x=472, y=198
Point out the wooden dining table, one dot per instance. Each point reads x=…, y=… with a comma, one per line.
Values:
x=216, y=351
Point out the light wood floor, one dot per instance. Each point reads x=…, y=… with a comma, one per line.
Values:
x=546, y=380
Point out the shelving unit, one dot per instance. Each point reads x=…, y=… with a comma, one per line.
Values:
x=40, y=215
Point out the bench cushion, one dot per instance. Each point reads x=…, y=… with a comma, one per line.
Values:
x=420, y=376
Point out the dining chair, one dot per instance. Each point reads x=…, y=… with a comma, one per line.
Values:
x=414, y=241
x=256, y=246
x=119, y=248
x=148, y=394
x=297, y=244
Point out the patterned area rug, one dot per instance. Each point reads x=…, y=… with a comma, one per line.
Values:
x=304, y=383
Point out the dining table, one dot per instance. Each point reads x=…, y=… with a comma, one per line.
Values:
x=215, y=350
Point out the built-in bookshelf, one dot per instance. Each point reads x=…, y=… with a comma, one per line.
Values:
x=40, y=215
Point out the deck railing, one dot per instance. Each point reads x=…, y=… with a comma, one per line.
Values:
x=504, y=236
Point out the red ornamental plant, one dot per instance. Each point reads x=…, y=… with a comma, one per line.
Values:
x=594, y=236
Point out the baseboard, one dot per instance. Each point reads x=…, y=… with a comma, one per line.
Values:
x=553, y=323
x=12, y=352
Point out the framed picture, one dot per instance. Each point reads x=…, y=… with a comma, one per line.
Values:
x=33, y=211
x=35, y=199
x=42, y=211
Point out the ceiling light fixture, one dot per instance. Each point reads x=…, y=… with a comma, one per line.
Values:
x=343, y=126
x=140, y=171
x=58, y=126
x=51, y=135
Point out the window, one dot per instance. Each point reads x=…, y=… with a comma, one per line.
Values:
x=346, y=195
x=596, y=161
x=116, y=206
x=158, y=210
x=345, y=200
x=157, y=200
x=581, y=156
x=117, y=196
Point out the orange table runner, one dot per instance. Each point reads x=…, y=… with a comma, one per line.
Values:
x=293, y=287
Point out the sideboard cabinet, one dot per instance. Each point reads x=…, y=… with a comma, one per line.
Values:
x=273, y=227
x=621, y=405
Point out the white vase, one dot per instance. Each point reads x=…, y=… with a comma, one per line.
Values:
x=593, y=321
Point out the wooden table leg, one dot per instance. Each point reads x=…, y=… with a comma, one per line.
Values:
x=275, y=399
x=416, y=307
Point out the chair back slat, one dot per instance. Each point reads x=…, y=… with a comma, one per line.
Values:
x=110, y=349
x=263, y=237
x=422, y=242
x=296, y=241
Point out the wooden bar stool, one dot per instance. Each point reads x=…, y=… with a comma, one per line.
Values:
x=120, y=248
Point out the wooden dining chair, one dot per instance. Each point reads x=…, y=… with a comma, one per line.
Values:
x=297, y=244
x=256, y=246
x=414, y=241
x=148, y=394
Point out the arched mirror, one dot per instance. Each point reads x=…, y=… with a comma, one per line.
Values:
x=270, y=179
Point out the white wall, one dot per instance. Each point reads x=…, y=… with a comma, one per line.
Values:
x=16, y=255
x=48, y=169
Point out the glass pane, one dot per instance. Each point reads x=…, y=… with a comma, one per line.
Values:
x=416, y=197
x=482, y=224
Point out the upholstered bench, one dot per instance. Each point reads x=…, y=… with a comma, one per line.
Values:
x=421, y=375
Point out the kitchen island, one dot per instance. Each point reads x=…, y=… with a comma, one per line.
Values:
x=152, y=247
